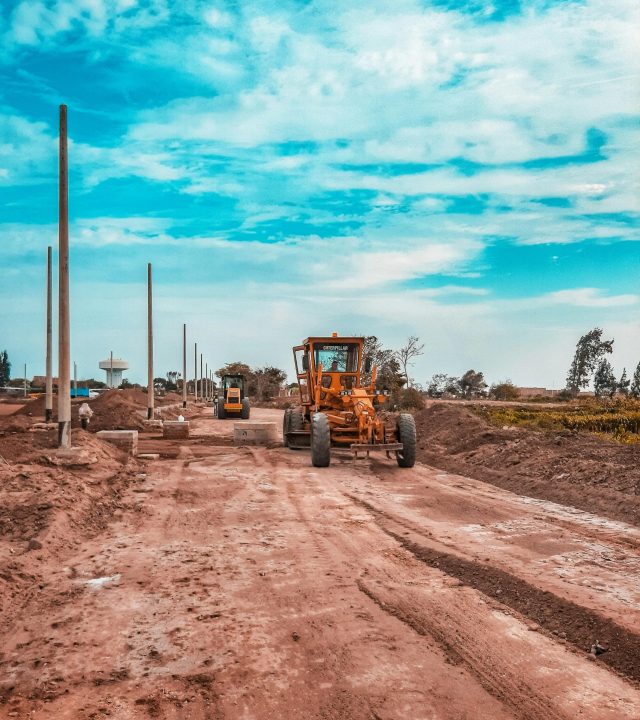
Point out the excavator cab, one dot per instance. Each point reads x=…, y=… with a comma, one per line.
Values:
x=337, y=410
x=233, y=402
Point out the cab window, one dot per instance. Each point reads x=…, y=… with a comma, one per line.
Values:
x=337, y=357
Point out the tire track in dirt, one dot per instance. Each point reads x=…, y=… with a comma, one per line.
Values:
x=578, y=625
x=503, y=530
x=485, y=649
x=523, y=700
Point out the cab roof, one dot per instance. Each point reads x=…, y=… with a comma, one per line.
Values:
x=334, y=340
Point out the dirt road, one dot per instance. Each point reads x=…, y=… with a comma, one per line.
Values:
x=244, y=584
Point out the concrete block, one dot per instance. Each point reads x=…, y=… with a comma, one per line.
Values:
x=126, y=440
x=152, y=425
x=255, y=433
x=175, y=430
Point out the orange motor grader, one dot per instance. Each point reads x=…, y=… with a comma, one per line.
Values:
x=336, y=410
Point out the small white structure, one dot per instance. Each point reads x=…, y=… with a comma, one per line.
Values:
x=119, y=366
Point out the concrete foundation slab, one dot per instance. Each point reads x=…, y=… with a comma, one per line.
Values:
x=126, y=440
x=255, y=433
x=175, y=430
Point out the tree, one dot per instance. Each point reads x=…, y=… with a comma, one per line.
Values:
x=92, y=383
x=623, y=383
x=267, y=382
x=635, y=383
x=411, y=399
x=604, y=381
x=5, y=368
x=389, y=376
x=504, y=390
x=172, y=379
x=235, y=368
x=411, y=349
x=472, y=384
x=440, y=384
x=590, y=350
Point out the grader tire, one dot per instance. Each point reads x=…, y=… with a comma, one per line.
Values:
x=286, y=422
x=406, y=430
x=320, y=440
x=222, y=413
x=246, y=409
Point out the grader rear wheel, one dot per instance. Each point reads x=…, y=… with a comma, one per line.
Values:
x=320, y=440
x=406, y=431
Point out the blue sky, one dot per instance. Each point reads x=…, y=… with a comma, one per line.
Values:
x=461, y=171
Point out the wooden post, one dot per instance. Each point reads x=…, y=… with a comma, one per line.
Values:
x=48, y=412
x=150, y=388
x=64, y=329
x=184, y=366
x=195, y=373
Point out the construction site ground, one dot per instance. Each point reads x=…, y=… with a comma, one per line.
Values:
x=225, y=582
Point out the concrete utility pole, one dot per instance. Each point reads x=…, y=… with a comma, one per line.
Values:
x=184, y=365
x=75, y=379
x=25, y=379
x=64, y=326
x=111, y=370
x=195, y=373
x=206, y=380
x=150, y=389
x=48, y=413
x=201, y=383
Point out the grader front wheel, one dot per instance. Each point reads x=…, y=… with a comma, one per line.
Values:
x=406, y=431
x=320, y=440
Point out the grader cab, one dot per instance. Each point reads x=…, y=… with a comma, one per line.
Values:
x=233, y=402
x=337, y=410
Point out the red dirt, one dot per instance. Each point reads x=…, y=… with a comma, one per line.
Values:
x=235, y=582
x=567, y=467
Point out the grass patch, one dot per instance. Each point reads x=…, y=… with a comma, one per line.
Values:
x=617, y=420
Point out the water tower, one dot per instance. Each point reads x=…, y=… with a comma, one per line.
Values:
x=119, y=366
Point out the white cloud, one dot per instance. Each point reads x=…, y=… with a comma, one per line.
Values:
x=588, y=297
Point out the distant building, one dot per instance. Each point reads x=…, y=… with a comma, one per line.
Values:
x=41, y=381
x=530, y=392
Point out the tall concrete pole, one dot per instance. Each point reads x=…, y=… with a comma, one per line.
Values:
x=75, y=379
x=201, y=383
x=110, y=383
x=150, y=388
x=195, y=374
x=64, y=326
x=48, y=412
x=25, y=379
x=206, y=380
x=184, y=365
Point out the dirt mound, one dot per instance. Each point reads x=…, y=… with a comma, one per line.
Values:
x=567, y=467
x=46, y=505
x=36, y=407
x=117, y=410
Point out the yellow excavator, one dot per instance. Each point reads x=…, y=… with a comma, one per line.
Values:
x=337, y=410
x=233, y=402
